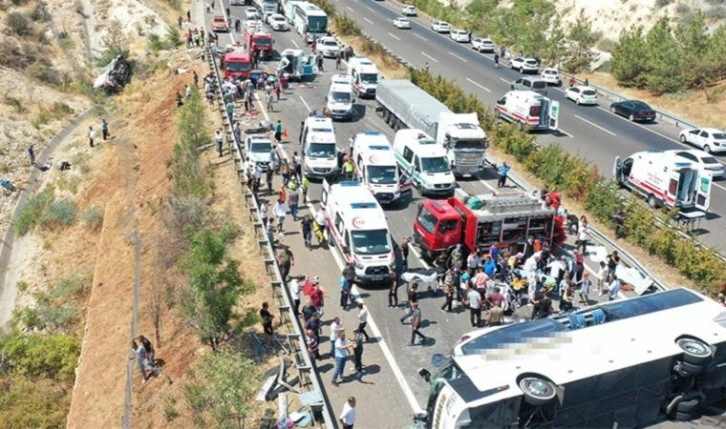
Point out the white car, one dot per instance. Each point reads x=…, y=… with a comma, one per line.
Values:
x=582, y=95
x=708, y=139
x=402, y=22
x=461, y=36
x=482, y=44
x=278, y=22
x=251, y=14
x=551, y=76
x=524, y=65
x=328, y=46
x=409, y=11
x=441, y=27
x=259, y=149
x=703, y=159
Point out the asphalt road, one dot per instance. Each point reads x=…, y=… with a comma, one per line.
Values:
x=390, y=392
x=591, y=132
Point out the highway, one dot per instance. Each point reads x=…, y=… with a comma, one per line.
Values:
x=591, y=132
x=390, y=392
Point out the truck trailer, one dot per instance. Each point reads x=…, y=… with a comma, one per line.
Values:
x=405, y=105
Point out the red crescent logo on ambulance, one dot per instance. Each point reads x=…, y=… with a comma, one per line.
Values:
x=358, y=222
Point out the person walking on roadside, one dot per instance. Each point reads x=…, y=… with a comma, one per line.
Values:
x=448, y=290
x=347, y=285
x=335, y=327
x=313, y=346
x=318, y=297
x=416, y=325
x=91, y=136
x=295, y=291
x=149, y=349
x=278, y=131
x=405, y=248
x=307, y=230
x=503, y=170
x=393, y=290
x=358, y=340
x=285, y=260
x=31, y=155
x=347, y=416
x=293, y=199
x=363, y=321
x=104, y=129
x=219, y=140
x=343, y=347
x=412, y=300
x=280, y=210
x=267, y=317
x=142, y=358
x=496, y=60
x=270, y=100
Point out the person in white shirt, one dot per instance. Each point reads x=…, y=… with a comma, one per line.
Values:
x=280, y=211
x=347, y=417
x=556, y=268
x=295, y=292
x=263, y=212
x=602, y=274
x=583, y=235
x=335, y=327
x=363, y=321
x=473, y=300
x=531, y=263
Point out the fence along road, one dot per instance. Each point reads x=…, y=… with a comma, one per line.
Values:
x=588, y=131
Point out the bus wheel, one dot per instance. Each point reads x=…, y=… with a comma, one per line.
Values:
x=687, y=369
x=537, y=390
x=686, y=417
x=695, y=351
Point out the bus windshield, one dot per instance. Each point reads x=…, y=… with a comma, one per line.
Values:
x=382, y=174
x=371, y=242
x=234, y=66
x=321, y=150
x=317, y=24
x=434, y=165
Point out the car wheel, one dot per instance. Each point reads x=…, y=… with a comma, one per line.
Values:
x=612, y=109
x=683, y=138
x=652, y=201
x=631, y=117
x=577, y=101
x=707, y=149
x=695, y=351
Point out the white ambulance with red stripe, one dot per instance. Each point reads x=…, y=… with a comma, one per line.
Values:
x=529, y=109
x=665, y=179
x=357, y=228
x=375, y=165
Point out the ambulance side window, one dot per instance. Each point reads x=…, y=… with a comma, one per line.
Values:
x=407, y=154
x=416, y=164
x=346, y=237
x=339, y=223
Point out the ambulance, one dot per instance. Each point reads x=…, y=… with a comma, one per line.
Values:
x=665, y=179
x=528, y=109
x=357, y=228
x=365, y=76
x=320, y=151
x=424, y=161
x=340, y=99
x=376, y=168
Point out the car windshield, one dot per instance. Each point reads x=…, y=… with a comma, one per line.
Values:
x=382, y=174
x=236, y=66
x=371, y=242
x=369, y=77
x=264, y=147
x=469, y=144
x=340, y=97
x=434, y=165
x=589, y=92
x=427, y=220
x=321, y=150
x=719, y=136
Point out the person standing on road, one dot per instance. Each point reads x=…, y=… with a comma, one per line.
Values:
x=270, y=100
x=473, y=299
x=342, y=350
x=347, y=416
x=278, y=131
x=286, y=260
x=219, y=140
x=91, y=136
x=104, y=129
x=267, y=317
x=31, y=155
x=448, y=290
x=412, y=300
x=405, y=248
x=363, y=321
x=416, y=326
x=503, y=170
x=307, y=230
x=496, y=60
x=336, y=326
x=358, y=340
x=280, y=210
x=293, y=199
x=318, y=298
x=313, y=345
x=347, y=285
x=393, y=291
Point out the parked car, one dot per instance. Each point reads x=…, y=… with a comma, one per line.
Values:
x=461, y=36
x=534, y=83
x=482, y=44
x=551, y=76
x=402, y=22
x=524, y=65
x=278, y=22
x=703, y=159
x=219, y=24
x=708, y=139
x=441, y=27
x=634, y=110
x=251, y=14
x=328, y=46
x=409, y=11
x=581, y=94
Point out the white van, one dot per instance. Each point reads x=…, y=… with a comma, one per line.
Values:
x=358, y=229
x=423, y=160
x=365, y=76
x=529, y=109
x=376, y=166
x=320, y=151
x=340, y=98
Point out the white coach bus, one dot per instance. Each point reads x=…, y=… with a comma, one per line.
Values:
x=622, y=364
x=310, y=21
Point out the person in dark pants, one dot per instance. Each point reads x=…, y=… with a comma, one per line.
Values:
x=405, y=248
x=393, y=291
x=267, y=322
x=104, y=129
x=473, y=299
x=358, y=340
x=503, y=170
x=448, y=291
x=31, y=155
x=412, y=299
x=285, y=260
x=347, y=285
x=416, y=325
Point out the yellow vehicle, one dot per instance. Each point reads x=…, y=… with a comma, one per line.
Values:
x=219, y=24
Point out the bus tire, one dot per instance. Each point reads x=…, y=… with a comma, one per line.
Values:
x=537, y=390
x=685, y=417
x=689, y=407
x=695, y=351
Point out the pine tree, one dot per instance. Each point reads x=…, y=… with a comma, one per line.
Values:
x=664, y=59
x=629, y=58
x=580, y=55
x=695, y=42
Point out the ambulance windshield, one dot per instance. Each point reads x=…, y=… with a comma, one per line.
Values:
x=382, y=174
x=370, y=242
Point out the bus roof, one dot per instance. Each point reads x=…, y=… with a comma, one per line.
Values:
x=358, y=208
x=587, y=343
x=311, y=9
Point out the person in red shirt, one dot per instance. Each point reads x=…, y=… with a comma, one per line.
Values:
x=553, y=200
x=317, y=298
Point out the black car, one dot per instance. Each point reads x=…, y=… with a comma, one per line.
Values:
x=634, y=110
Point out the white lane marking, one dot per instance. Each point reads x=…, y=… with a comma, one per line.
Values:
x=295, y=43
x=456, y=56
x=305, y=103
x=429, y=57
x=491, y=188
x=421, y=37
x=371, y=9
x=504, y=80
x=349, y=8
x=368, y=20
x=419, y=257
x=596, y=126
x=479, y=85
x=395, y=37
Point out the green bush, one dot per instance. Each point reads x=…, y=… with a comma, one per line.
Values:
x=59, y=214
x=30, y=213
x=33, y=403
x=18, y=23
x=40, y=12
x=46, y=356
x=346, y=26
x=93, y=218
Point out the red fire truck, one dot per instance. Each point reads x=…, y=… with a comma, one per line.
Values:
x=257, y=40
x=505, y=219
x=237, y=64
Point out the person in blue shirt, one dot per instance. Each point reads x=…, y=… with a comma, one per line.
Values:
x=503, y=170
x=278, y=131
x=490, y=267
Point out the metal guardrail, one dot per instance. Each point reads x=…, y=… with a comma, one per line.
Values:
x=306, y=371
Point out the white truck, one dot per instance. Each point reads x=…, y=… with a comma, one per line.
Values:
x=529, y=109
x=266, y=7
x=376, y=167
x=405, y=105
x=665, y=179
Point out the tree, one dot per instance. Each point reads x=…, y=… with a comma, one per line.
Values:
x=629, y=58
x=581, y=41
x=224, y=383
x=716, y=53
x=664, y=59
x=694, y=40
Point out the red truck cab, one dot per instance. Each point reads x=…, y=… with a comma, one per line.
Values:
x=237, y=64
x=257, y=40
x=505, y=220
